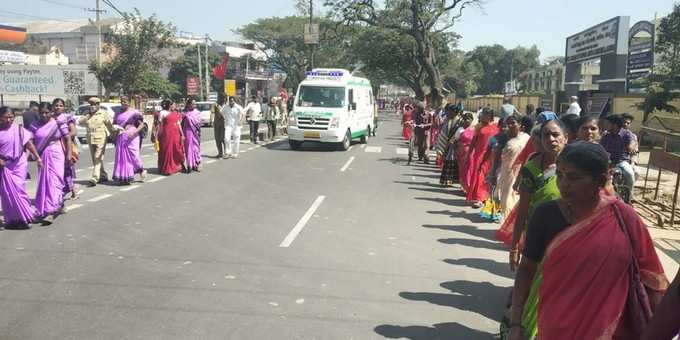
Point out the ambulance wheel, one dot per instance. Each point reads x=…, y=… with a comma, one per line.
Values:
x=364, y=138
x=346, y=142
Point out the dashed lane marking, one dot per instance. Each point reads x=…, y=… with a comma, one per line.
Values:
x=362, y=146
x=130, y=188
x=374, y=149
x=73, y=207
x=301, y=223
x=344, y=167
x=402, y=151
x=211, y=161
x=146, y=156
x=99, y=198
x=154, y=180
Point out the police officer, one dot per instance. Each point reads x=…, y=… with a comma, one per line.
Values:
x=99, y=127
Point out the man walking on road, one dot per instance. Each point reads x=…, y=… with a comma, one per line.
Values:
x=233, y=115
x=99, y=127
x=423, y=122
x=254, y=112
x=218, y=127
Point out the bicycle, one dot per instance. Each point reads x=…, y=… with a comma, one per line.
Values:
x=619, y=184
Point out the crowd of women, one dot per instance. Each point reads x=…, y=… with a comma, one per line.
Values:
x=586, y=267
x=51, y=142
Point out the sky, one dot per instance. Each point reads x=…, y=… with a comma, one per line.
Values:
x=511, y=23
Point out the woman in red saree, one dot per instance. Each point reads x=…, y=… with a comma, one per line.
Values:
x=586, y=245
x=170, y=137
x=407, y=122
x=479, y=159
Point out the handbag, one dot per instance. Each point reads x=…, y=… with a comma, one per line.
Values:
x=638, y=308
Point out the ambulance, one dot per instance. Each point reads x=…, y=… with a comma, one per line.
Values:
x=331, y=106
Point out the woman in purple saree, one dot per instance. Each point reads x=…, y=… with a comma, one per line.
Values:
x=128, y=162
x=14, y=141
x=191, y=125
x=49, y=198
x=67, y=125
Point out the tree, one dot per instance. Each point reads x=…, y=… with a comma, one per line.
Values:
x=664, y=85
x=493, y=65
x=420, y=19
x=187, y=65
x=135, y=46
x=282, y=40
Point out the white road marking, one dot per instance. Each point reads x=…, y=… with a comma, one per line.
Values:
x=211, y=161
x=350, y=148
x=208, y=141
x=244, y=151
x=110, y=163
x=99, y=198
x=402, y=151
x=250, y=149
x=73, y=207
x=154, y=180
x=130, y=188
x=374, y=149
x=80, y=192
x=362, y=146
x=146, y=156
x=344, y=167
x=79, y=170
x=146, y=145
x=302, y=222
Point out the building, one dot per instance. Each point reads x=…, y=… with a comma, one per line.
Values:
x=546, y=79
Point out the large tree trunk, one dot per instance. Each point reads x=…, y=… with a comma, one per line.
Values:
x=427, y=57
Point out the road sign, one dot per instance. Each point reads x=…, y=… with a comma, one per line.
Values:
x=212, y=96
x=192, y=85
x=312, y=34
x=230, y=87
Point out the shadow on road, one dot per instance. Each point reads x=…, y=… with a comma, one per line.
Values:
x=474, y=243
x=440, y=331
x=467, y=229
x=472, y=217
x=491, y=266
x=479, y=297
x=457, y=202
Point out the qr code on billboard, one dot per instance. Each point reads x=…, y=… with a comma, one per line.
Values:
x=74, y=82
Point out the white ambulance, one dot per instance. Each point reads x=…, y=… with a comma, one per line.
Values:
x=331, y=106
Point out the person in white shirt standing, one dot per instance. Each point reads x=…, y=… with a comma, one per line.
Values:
x=233, y=115
x=254, y=113
x=574, y=108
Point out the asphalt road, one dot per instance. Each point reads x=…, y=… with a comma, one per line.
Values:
x=278, y=244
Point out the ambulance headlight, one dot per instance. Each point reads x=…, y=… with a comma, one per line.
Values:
x=335, y=123
x=292, y=121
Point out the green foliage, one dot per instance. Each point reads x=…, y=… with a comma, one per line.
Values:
x=135, y=45
x=490, y=65
x=664, y=85
x=153, y=85
x=187, y=65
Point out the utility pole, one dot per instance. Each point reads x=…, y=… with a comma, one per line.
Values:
x=207, y=70
x=98, y=23
x=245, y=96
x=311, y=17
x=200, y=71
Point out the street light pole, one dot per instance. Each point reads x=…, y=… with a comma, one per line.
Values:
x=207, y=74
x=245, y=77
x=200, y=71
x=311, y=16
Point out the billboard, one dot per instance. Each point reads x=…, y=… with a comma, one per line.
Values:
x=640, y=55
x=230, y=87
x=192, y=85
x=56, y=80
x=601, y=39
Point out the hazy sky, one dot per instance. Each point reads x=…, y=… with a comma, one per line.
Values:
x=545, y=23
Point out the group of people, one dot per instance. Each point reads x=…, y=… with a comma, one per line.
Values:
x=177, y=136
x=586, y=267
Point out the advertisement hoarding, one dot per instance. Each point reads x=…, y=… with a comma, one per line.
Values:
x=57, y=80
x=596, y=41
x=192, y=85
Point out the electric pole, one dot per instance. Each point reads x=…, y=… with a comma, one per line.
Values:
x=311, y=17
x=200, y=71
x=207, y=70
x=98, y=23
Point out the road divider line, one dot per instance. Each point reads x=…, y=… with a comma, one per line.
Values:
x=154, y=180
x=146, y=145
x=208, y=141
x=211, y=161
x=73, y=207
x=362, y=146
x=79, y=170
x=99, y=198
x=146, y=156
x=110, y=163
x=344, y=167
x=130, y=188
x=301, y=223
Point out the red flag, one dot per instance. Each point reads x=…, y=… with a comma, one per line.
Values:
x=220, y=70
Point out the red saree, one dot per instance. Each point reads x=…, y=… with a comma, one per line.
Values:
x=171, y=154
x=480, y=163
x=406, y=123
x=586, y=278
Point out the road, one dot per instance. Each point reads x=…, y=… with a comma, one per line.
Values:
x=278, y=244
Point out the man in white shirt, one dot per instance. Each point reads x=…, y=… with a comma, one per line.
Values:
x=574, y=108
x=254, y=114
x=233, y=115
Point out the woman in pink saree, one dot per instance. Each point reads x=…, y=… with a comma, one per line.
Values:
x=129, y=123
x=191, y=126
x=463, y=139
x=601, y=277
x=14, y=141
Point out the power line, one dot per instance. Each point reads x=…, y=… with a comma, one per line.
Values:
x=63, y=4
x=110, y=4
x=24, y=15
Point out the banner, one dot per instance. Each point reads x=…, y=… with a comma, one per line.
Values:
x=192, y=85
x=56, y=80
x=220, y=70
x=230, y=87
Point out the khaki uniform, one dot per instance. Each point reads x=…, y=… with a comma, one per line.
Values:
x=99, y=127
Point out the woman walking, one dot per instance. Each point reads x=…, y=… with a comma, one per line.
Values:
x=445, y=146
x=407, y=122
x=191, y=129
x=598, y=263
x=170, y=139
x=463, y=139
x=67, y=125
x=14, y=141
x=480, y=159
x=48, y=137
x=507, y=172
x=129, y=124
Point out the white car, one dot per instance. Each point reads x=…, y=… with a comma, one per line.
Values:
x=206, y=109
x=81, y=131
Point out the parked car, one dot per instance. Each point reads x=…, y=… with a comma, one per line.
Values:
x=206, y=109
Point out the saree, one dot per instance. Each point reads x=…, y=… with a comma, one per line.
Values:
x=508, y=171
x=446, y=151
x=462, y=150
x=16, y=204
x=406, y=123
x=127, y=162
x=63, y=121
x=49, y=197
x=171, y=153
x=191, y=126
x=480, y=163
x=586, y=278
